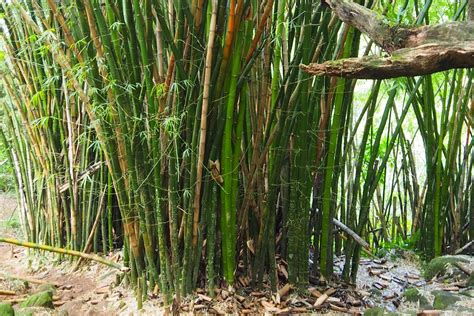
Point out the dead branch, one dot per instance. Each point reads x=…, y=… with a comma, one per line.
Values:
x=413, y=51
x=421, y=60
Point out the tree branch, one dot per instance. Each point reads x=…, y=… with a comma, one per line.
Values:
x=372, y=24
x=422, y=60
x=414, y=51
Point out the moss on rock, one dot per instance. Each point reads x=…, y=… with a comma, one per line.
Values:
x=470, y=281
x=6, y=309
x=42, y=299
x=438, y=265
x=374, y=311
x=413, y=295
x=444, y=299
x=46, y=287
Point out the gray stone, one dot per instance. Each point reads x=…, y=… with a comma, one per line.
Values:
x=24, y=312
x=413, y=295
x=443, y=299
x=438, y=265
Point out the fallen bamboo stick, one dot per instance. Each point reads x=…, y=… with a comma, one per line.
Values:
x=7, y=292
x=14, y=300
x=63, y=251
x=22, y=299
x=463, y=268
x=351, y=233
x=365, y=245
x=466, y=246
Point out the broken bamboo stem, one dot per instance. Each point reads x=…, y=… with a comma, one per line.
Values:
x=352, y=234
x=365, y=245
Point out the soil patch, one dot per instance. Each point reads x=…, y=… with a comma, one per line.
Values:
x=86, y=291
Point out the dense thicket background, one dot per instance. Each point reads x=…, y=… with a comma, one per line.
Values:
x=185, y=133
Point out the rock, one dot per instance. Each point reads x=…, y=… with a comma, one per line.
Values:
x=375, y=292
x=469, y=292
x=465, y=310
x=32, y=311
x=6, y=309
x=438, y=265
x=42, y=299
x=444, y=299
x=470, y=281
x=413, y=295
x=24, y=312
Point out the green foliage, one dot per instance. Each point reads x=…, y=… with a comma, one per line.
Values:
x=381, y=151
x=46, y=287
x=399, y=242
x=13, y=223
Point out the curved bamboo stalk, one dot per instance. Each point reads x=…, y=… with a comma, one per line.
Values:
x=63, y=251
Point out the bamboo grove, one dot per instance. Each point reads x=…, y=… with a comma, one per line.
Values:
x=184, y=133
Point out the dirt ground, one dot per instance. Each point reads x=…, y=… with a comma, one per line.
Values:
x=88, y=291
x=8, y=215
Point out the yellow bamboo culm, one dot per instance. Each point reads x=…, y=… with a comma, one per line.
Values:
x=63, y=251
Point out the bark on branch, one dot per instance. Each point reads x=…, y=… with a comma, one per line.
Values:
x=421, y=60
x=413, y=51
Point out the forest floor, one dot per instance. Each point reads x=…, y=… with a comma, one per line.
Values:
x=88, y=290
x=92, y=288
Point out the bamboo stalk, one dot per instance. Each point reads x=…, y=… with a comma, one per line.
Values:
x=74, y=253
x=203, y=127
